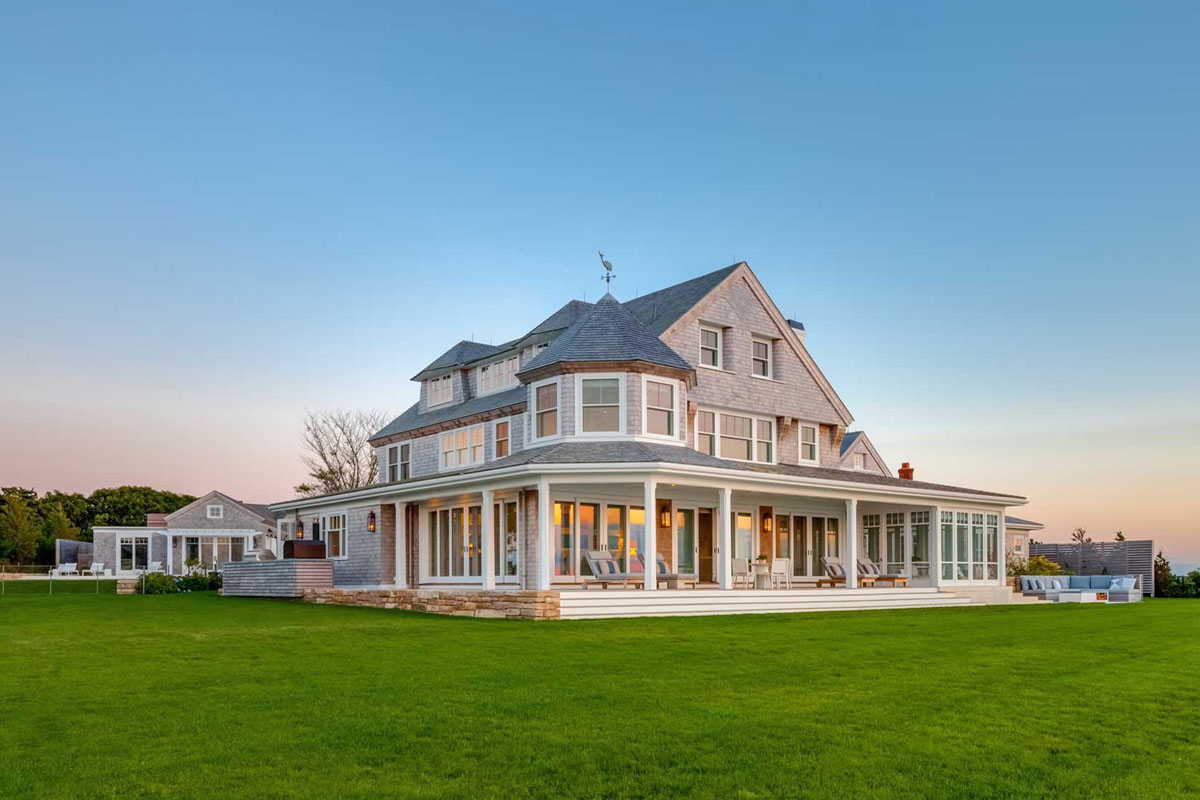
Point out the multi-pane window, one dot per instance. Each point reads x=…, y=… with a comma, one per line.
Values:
x=455, y=542
x=761, y=357
x=504, y=539
x=393, y=463
x=546, y=410
x=737, y=437
x=462, y=447
x=498, y=375
x=192, y=549
x=405, y=461
x=660, y=408
x=710, y=347
x=335, y=535
x=215, y=511
x=502, y=441
x=706, y=432
x=441, y=390
x=871, y=536
x=808, y=443
x=993, y=548
x=947, y=523
x=600, y=403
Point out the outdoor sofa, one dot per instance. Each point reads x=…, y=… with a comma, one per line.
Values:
x=1120, y=588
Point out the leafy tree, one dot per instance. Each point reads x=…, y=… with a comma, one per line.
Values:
x=74, y=505
x=19, y=529
x=1120, y=536
x=1080, y=535
x=59, y=525
x=129, y=505
x=1162, y=576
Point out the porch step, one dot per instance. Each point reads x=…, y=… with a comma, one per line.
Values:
x=599, y=604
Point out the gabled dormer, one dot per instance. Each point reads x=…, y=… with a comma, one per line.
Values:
x=444, y=381
x=858, y=454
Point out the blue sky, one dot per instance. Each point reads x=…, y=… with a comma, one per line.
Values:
x=213, y=217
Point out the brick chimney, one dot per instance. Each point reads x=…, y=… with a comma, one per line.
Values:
x=905, y=473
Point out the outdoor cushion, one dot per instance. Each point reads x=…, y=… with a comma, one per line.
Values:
x=1123, y=583
x=1080, y=582
x=1039, y=584
x=608, y=567
x=1057, y=583
x=1101, y=582
x=837, y=571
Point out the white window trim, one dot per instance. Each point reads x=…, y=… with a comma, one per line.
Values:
x=449, y=379
x=816, y=459
x=495, y=424
x=770, y=357
x=676, y=396
x=470, y=462
x=720, y=347
x=533, y=411
x=622, y=425
x=497, y=368
x=754, y=440
x=217, y=507
x=344, y=530
x=402, y=462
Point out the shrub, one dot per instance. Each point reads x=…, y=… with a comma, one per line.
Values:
x=156, y=583
x=1035, y=565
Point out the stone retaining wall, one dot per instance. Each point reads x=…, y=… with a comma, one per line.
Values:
x=461, y=603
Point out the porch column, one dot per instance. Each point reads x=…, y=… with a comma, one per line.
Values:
x=650, y=545
x=401, y=577
x=170, y=554
x=724, y=539
x=545, y=547
x=1002, y=553
x=485, y=541
x=851, y=562
x=935, y=544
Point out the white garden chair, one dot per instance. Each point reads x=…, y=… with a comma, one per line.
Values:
x=96, y=569
x=70, y=568
x=781, y=572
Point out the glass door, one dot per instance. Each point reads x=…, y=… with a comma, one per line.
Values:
x=589, y=534
x=919, y=533
x=685, y=541
x=783, y=536
x=802, y=548
x=897, y=549
x=743, y=535
x=564, y=560
x=614, y=525
x=135, y=554
x=637, y=536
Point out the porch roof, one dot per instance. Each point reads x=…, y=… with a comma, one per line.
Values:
x=634, y=452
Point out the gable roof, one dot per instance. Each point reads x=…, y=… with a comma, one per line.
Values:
x=573, y=310
x=412, y=420
x=853, y=437
x=659, y=310
x=607, y=332
x=457, y=355
x=260, y=510
x=848, y=441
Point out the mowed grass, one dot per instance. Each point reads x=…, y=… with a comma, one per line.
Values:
x=202, y=696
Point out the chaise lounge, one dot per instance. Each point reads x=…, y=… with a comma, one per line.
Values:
x=605, y=571
x=1120, y=588
x=869, y=575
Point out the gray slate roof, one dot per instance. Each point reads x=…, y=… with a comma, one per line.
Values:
x=262, y=510
x=573, y=310
x=1022, y=522
x=643, y=452
x=461, y=353
x=659, y=310
x=607, y=332
x=848, y=441
x=410, y=420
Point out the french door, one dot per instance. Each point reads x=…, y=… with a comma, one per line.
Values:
x=805, y=540
x=134, y=553
x=581, y=526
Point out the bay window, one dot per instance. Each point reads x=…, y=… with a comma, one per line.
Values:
x=660, y=408
x=808, y=444
x=545, y=410
x=600, y=404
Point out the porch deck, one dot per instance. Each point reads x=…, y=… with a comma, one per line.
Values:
x=612, y=603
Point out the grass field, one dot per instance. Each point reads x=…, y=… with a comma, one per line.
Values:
x=201, y=696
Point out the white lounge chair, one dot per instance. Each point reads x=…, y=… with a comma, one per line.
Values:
x=70, y=568
x=97, y=569
x=155, y=566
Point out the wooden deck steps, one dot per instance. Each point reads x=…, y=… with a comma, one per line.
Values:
x=601, y=604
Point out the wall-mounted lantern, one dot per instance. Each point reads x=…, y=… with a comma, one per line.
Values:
x=371, y=522
x=768, y=524
x=664, y=517
x=299, y=529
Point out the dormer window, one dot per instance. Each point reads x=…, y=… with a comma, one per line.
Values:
x=441, y=390
x=808, y=444
x=215, y=511
x=498, y=376
x=761, y=358
x=710, y=347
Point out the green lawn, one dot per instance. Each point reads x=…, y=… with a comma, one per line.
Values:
x=201, y=696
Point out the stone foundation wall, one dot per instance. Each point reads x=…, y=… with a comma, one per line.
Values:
x=461, y=603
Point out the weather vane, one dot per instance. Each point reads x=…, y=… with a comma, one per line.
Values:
x=608, y=273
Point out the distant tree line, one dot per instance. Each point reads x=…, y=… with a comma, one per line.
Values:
x=29, y=524
x=1168, y=584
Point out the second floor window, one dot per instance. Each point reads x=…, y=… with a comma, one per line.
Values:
x=498, y=376
x=546, y=411
x=501, y=433
x=462, y=447
x=761, y=357
x=706, y=432
x=660, y=408
x=710, y=347
x=808, y=443
x=398, y=462
x=600, y=403
x=441, y=390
